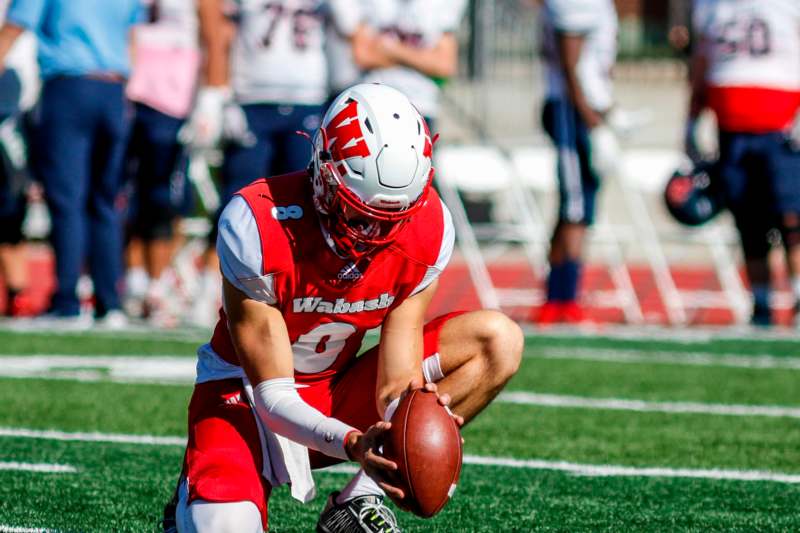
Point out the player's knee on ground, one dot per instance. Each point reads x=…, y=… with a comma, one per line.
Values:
x=232, y=517
x=502, y=341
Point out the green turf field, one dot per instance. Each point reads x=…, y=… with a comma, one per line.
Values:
x=594, y=434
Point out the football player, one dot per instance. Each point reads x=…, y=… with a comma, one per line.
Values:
x=312, y=260
x=413, y=48
x=579, y=47
x=746, y=68
x=265, y=79
x=162, y=86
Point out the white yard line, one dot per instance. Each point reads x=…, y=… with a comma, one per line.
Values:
x=15, y=529
x=117, y=438
x=126, y=369
x=619, y=404
x=530, y=464
x=696, y=358
x=609, y=470
x=45, y=468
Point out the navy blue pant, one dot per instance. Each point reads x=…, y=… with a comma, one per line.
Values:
x=278, y=148
x=82, y=131
x=156, y=164
x=577, y=181
x=761, y=178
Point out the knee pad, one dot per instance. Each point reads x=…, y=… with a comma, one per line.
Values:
x=209, y=517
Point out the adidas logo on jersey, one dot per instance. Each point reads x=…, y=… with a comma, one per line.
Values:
x=350, y=272
x=312, y=304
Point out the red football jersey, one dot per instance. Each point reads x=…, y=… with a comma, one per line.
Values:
x=327, y=301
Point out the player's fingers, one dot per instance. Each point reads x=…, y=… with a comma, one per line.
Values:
x=444, y=399
x=415, y=383
x=379, y=462
x=431, y=387
x=393, y=492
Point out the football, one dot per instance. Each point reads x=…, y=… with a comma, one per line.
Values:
x=425, y=442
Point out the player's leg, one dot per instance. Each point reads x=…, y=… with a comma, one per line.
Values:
x=221, y=485
x=784, y=169
x=746, y=196
x=63, y=133
x=160, y=196
x=105, y=232
x=474, y=356
x=570, y=138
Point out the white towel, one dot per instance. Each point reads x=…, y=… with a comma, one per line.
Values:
x=285, y=461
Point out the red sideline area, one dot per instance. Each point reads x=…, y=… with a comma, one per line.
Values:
x=457, y=292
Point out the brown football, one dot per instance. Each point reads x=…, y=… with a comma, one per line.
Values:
x=425, y=442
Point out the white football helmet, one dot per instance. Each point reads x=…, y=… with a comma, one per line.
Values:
x=372, y=167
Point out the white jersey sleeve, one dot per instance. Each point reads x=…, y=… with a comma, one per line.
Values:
x=239, y=251
x=445, y=252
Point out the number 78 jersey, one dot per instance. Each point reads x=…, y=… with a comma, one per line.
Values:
x=753, y=53
x=272, y=248
x=277, y=54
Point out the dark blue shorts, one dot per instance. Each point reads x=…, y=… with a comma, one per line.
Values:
x=761, y=178
x=156, y=165
x=760, y=171
x=577, y=181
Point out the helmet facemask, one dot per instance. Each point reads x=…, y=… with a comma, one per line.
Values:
x=355, y=227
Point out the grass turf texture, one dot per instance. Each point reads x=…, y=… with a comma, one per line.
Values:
x=122, y=487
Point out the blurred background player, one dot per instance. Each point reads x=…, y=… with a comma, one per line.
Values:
x=412, y=47
x=269, y=80
x=82, y=125
x=579, y=48
x=19, y=88
x=162, y=86
x=746, y=68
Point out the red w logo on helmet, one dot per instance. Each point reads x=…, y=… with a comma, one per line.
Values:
x=346, y=137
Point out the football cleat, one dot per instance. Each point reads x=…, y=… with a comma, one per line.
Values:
x=362, y=514
x=168, y=521
x=761, y=317
x=549, y=313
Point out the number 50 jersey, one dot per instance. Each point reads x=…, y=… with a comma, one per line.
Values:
x=753, y=53
x=272, y=248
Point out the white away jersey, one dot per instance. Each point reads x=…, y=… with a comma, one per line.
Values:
x=277, y=54
x=596, y=21
x=344, y=17
x=752, y=43
x=419, y=23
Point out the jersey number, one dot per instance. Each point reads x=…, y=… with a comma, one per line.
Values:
x=302, y=20
x=740, y=36
x=318, y=349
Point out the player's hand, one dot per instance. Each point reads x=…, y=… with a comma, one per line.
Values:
x=364, y=448
x=444, y=399
x=690, y=144
x=203, y=129
x=235, y=126
x=606, y=153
